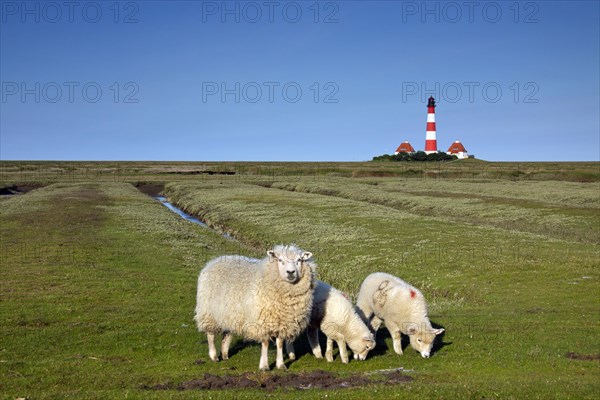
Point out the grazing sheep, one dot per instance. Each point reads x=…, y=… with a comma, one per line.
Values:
x=257, y=299
x=337, y=318
x=384, y=297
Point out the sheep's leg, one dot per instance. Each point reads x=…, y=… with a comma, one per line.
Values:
x=329, y=350
x=313, y=340
x=289, y=349
x=212, y=350
x=375, y=323
x=396, y=337
x=264, y=356
x=225, y=345
x=343, y=350
x=397, y=342
x=279, y=361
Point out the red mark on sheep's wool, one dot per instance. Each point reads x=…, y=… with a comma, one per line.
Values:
x=412, y=294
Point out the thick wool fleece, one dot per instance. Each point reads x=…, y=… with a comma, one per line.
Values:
x=248, y=297
x=335, y=315
x=391, y=299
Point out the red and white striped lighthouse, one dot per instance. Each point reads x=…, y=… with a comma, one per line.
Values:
x=430, y=140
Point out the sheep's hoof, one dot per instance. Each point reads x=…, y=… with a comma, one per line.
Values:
x=214, y=358
x=292, y=356
x=398, y=349
x=264, y=368
x=225, y=356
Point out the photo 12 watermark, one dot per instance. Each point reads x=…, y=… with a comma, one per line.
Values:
x=471, y=92
x=269, y=92
x=65, y=254
x=453, y=12
x=46, y=173
x=69, y=92
x=480, y=255
x=53, y=12
x=252, y=12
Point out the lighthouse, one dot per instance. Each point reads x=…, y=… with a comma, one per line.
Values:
x=430, y=140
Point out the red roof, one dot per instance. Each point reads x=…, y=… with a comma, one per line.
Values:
x=456, y=148
x=405, y=147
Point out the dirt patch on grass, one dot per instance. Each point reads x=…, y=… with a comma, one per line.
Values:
x=151, y=189
x=81, y=204
x=301, y=381
x=585, y=357
x=72, y=212
x=18, y=189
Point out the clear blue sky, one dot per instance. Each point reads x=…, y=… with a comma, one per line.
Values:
x=192, y=80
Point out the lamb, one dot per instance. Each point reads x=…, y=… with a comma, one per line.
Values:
x=384, y=297
x=257, y=299
x=337, y=318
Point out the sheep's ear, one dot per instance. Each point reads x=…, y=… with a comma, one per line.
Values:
x=306, y=256
x=438, y=331
x=271, y=254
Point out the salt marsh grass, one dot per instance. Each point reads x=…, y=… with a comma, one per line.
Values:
x=98, y=280
x=564, y=210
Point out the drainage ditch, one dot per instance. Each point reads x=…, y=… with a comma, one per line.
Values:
x=154, y=191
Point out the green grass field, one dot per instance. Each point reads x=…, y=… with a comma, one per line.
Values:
x=98, y=279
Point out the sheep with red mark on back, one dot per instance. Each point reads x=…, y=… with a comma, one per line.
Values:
x=387, y=298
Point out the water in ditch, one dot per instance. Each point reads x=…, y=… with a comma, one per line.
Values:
x=187, y=216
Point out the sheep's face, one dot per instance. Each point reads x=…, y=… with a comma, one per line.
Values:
x=362, y=346
x=422, y=341
x=289, y=263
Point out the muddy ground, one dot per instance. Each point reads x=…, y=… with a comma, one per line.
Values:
x=318, y=379
x=150, y=189
x=17, y=189
x=584, y=357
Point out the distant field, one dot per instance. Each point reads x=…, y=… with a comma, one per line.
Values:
x=469, y=169
x=98, y=279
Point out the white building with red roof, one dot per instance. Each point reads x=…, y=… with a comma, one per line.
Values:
x=404, y=147
x=457, y=149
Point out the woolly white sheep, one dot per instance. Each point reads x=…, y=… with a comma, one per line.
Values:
x=257, y=299
x=384, y=297
x=337, y=318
